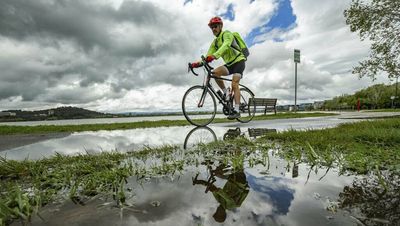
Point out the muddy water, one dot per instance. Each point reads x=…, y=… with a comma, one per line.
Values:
x=281, y=194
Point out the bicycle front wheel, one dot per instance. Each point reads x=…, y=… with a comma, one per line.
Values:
x=247, y=107
x=199, y=106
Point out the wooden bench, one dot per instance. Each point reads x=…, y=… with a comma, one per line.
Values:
x=267, y=103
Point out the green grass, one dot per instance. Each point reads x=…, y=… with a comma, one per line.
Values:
x=5, y=130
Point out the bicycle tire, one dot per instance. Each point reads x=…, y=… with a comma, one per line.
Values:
x=247, y=109
x=195, y=115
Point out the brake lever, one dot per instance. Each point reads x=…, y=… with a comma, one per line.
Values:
x=191, y=69
x=206, y=63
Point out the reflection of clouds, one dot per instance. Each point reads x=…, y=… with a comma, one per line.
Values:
x=99, y=141
x=190, y=205
x=273, y=190
x=185, y=204
x=182, y=203
x=93, y=142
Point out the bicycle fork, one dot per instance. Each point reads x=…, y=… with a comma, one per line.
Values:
x=202, y=98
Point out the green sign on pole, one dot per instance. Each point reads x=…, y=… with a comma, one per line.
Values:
x=296, y=60
x=297, y=56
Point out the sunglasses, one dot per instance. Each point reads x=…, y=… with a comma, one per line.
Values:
x=212, y=26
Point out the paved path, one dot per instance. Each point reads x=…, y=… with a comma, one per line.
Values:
x=311, y=123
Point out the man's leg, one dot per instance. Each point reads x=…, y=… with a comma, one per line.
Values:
x=236, y=89
x=236, y=92
x=218, y=72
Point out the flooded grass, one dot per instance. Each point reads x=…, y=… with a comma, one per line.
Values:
x=369, y=148
x=5, y=130
x=29, y=185
x=365, y=145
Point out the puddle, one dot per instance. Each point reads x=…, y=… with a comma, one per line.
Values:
x=122, y=140
x=283, y=194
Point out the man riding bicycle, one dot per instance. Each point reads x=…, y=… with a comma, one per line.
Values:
x=233, y=58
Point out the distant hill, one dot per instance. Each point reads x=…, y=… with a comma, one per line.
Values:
x=52, y=114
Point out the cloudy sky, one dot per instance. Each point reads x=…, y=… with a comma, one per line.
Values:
x=132, y=55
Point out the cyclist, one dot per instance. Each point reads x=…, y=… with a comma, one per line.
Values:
x=234, y=61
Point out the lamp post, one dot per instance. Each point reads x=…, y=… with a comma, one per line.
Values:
x=296, y=60
x=396, y=97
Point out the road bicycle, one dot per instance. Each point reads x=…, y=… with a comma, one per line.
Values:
x=199, y=105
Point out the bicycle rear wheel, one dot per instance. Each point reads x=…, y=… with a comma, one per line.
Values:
x=199, y=106
x=247, y=106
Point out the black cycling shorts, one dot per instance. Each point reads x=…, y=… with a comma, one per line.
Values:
x=237, y=68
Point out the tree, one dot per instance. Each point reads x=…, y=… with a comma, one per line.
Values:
x=379, y=21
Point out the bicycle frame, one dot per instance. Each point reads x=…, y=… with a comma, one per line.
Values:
x=207, y=85
x=201, y=104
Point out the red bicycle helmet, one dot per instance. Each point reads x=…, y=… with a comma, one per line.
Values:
x=215, y=20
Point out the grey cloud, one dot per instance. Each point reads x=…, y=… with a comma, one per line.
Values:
x=7, y=91
x=27, y=92
x=66, y=42
x=87, y=24
x=142, y=13
x=69, y=96
x=60, y=19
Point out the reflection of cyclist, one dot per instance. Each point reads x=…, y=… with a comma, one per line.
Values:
x=234, y=60
x=231, y=195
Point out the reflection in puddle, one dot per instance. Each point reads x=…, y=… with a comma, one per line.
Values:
x=213, y=193
x=231, y=194
x=121, y=140
x=199, y=135
x=95, y=142
x=204, y=135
